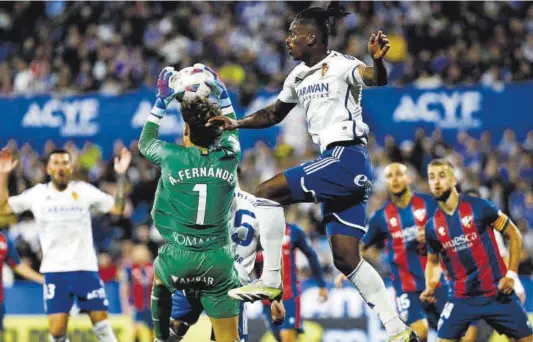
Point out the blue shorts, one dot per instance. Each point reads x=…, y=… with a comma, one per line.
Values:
x=505, y=315
x=188, y=309
x=412, y=309
x=62, y=288
x=341, y=179
x=293, y=317
x=144, y=317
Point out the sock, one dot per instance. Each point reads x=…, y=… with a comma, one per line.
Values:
x=161, y=310
x=372, y=288
x=58, y=339
x=180, y=332
x=104, y=331
x=272, y=229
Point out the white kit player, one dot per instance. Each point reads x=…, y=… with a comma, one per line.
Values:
x=62, y=210
x=246, y=239
x=327, y=87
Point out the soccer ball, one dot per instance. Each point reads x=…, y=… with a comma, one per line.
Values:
x=193, y=81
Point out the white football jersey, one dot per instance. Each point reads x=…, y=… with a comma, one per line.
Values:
x=64, y=222
x=329, y=93
x=245, y=234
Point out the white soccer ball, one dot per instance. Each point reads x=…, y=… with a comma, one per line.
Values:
x=193, y=81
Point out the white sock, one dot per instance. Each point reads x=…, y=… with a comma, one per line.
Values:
x=58, y=339
x=104, y=332
x=272, y=229
x=372, y=288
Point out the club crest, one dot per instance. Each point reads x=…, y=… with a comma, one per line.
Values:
x=75, y=195
x=467, y=221
x=325, y=68
x=420, y=214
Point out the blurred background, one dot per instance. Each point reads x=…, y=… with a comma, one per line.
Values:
x=82, y=76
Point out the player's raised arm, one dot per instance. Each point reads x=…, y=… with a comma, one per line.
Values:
x=229, y=140
x=376, y=75
x=7, y=164
x=266, y=117
x=121, y=164
x=149, y=144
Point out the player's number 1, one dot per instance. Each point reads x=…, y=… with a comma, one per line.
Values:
x=202, y=201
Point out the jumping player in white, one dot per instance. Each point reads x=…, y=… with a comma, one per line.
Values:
x=62, y=209
x=327, y=86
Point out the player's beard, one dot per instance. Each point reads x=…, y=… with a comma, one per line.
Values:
x=398, y=195
x=61, y=183
x=444, y=196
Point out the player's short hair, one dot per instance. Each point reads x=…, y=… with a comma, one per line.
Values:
x=442, y=162
x=58, y=151
x=320, y=18
x=196, y=113
x=473, y=192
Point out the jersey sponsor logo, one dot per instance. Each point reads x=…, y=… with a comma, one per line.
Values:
x=408, y=234
x=185, y=240
x=193, y=280
x=467, y=221
x=63, y=209
x=362, y=181
x=197, y=172
x=314, y=91
x=460, y=242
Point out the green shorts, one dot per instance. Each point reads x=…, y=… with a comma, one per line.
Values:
x=207, y=275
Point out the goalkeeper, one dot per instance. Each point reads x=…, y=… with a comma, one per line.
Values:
x=192, y=209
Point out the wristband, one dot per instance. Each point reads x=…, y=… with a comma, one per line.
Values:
x=511, y=274
x=159, y=108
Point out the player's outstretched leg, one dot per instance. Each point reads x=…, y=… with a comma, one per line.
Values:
x=271, y=195
x=369, y=284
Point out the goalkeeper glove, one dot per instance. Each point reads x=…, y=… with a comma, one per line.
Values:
x=219, y=93
x=168, y=88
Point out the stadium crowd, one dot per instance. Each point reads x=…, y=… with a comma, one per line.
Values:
x=112, y=47
x=501, y=168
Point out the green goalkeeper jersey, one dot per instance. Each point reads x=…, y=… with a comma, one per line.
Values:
x=192, y=206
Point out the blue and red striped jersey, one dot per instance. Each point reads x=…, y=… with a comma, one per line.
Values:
x=8, y=253
x=398, y=228
x=295, y=238
x=466, y=242
x=140, y=278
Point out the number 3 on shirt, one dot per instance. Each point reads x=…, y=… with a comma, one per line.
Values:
x=202, y=200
